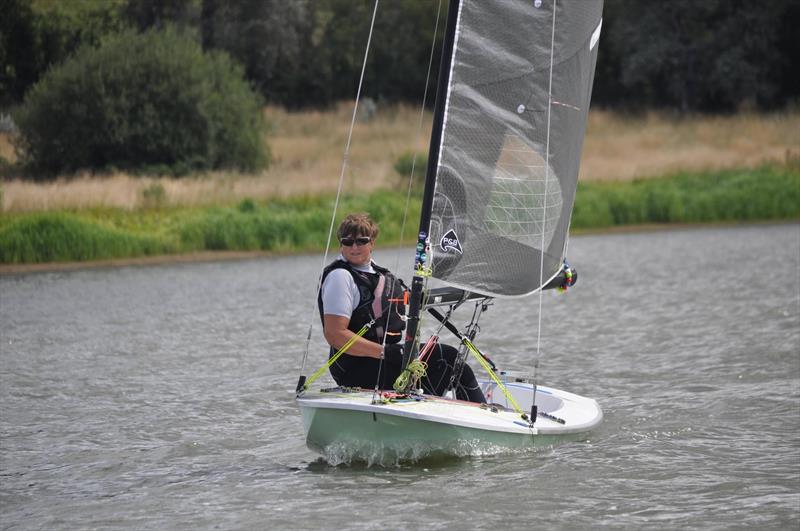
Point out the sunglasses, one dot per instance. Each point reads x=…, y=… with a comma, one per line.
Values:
x=361, y=240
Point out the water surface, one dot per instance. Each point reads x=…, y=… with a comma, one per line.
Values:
x=160, y=397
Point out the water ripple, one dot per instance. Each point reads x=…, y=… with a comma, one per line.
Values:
x=161, y=398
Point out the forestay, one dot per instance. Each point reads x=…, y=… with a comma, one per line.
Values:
x=501, y=196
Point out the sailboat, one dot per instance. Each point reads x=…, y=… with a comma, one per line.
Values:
x=512, y=102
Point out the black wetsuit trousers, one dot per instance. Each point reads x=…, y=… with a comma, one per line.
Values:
x=357, y=371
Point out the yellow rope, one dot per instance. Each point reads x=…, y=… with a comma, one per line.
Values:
x=335, y=357
x=411, y=375
x=474, y=350
x=424, y=272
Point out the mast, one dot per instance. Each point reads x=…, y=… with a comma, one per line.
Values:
x=422, y=256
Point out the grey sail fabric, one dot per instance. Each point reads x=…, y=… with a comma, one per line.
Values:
x=500, y=199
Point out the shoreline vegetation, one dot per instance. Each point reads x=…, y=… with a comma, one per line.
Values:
x=636, y=171
x=223, y=256
x=300, y=224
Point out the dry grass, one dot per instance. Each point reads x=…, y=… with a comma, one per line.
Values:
x=307, y=149
x=623, y=148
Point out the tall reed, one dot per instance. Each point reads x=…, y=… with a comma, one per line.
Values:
x=770, y=192
x=302, y=223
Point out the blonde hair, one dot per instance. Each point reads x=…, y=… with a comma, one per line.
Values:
x=357, y=225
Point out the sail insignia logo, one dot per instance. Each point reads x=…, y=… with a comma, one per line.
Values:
x=450, y=242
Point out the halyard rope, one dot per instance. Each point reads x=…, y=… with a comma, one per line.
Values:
x=544, y=209
x=411, y=178
x=345, y=157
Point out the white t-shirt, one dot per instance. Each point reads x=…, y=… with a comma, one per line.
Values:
x=340, y=294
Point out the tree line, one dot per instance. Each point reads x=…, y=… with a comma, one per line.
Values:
x=688, y=55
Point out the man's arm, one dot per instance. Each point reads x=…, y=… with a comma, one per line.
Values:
x=337, y=334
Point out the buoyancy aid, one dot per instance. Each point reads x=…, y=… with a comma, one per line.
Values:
x=381, y=295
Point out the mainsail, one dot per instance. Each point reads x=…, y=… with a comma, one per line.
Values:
x=512, y=127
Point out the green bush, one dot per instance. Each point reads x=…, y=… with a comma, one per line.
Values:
x=58, y=237
x=154, y=196
x=247, y=205
x=142, y=101
x=406, y=162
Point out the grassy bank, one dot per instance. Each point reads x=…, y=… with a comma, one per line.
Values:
x=766, y=193
x=301, y=223
x=286, y=225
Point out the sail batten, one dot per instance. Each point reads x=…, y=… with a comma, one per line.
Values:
x=502, y=204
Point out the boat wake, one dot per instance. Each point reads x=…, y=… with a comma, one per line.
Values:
x=396, y=454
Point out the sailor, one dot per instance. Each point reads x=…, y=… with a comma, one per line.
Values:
x=355, y=291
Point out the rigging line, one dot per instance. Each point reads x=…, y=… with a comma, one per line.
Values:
x=458, y=368
x=546, y=179
x=419, y=128
x=302, y=386
x=414, y=161
x=345, y=158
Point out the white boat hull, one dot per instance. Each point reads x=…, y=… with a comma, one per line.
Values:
x=351, y=426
